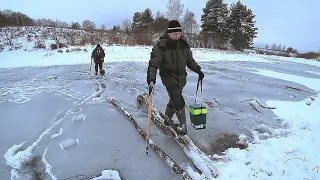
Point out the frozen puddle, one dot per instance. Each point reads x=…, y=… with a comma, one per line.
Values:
x=68, y=143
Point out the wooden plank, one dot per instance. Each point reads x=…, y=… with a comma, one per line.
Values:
x=199, y=158
x=175, y=167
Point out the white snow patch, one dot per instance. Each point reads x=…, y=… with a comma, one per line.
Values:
x=48, y=166
x=294, y=155
x=109, y=174
x=58, y=134
x=312, y=83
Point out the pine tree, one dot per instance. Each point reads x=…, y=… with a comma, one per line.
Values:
x=136, y=21
x=267, y=46
x=146, y=21
x=242, y=26
x=284, y=48
x=160, y=22
x=274, y=46
x=214, y=22
x=279, y=47
x=142, y=21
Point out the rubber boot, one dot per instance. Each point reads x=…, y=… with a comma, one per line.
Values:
x=182, y=128
x=169, y=112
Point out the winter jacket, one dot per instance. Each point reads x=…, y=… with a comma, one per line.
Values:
x=171, y=58
x=97, y=54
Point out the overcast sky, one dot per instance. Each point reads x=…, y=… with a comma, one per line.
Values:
x=287, y=22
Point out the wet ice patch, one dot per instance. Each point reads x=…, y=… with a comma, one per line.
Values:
x=109, y=174
x=19, y=158
x=68, y=143
x=218, y=144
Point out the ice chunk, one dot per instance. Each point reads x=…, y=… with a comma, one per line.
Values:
x=68, y=143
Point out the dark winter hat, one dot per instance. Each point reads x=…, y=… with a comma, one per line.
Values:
x=98, y=45
x=174, y=26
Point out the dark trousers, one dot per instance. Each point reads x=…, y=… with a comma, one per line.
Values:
x=176, y=101
x=98, y=64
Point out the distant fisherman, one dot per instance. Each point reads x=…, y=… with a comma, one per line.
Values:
x=97, y=56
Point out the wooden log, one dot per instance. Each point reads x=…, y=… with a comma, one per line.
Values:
x=200, y=159
x=175, y=167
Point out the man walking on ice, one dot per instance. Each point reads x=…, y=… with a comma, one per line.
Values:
x=171, y=55
x=97, y=56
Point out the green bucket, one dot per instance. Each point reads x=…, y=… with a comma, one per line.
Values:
x=198, y=113
x=198, y=116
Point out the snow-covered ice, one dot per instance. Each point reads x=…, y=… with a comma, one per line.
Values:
x=245, y=94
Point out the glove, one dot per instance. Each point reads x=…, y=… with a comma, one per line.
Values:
x=149, y=80
x=201, y=75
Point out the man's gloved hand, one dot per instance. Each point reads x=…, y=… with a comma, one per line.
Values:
x=149, y=80
x=201, y=75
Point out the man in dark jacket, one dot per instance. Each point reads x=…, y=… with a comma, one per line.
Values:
x=171, y=55
x=98, y=56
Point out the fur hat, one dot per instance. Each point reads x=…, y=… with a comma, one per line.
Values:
x=174, y=26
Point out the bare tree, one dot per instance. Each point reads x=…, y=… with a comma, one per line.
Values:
x=62, y=24
x=103, y=27
x=88, y=25
x=189, y=22
x=126, y=26
x=75, y=25
x=174, y=10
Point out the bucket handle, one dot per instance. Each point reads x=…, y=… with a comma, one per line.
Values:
x=195, y=100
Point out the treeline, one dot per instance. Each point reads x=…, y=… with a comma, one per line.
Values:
x=281, y=48
x=221, y=27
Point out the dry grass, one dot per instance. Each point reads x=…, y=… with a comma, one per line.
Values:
x=310, y=55
x=221, y=142
x=39, y=44
x=54, y=46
